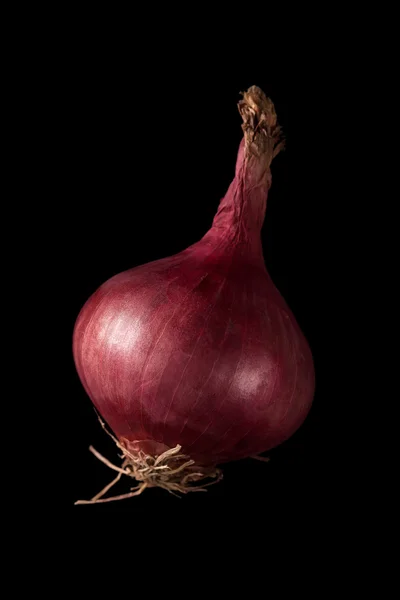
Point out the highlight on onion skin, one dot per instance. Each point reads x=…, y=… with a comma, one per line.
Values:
x=199, y=351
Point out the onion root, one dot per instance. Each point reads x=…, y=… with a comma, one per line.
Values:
x=172, y=470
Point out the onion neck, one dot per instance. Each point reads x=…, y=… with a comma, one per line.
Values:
x=241, y=212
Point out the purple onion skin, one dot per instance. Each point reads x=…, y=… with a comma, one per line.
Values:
x=200, y=349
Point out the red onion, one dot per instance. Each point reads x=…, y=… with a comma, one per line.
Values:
x=199, y=352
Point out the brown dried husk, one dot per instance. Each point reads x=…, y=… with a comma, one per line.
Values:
x=262, y=134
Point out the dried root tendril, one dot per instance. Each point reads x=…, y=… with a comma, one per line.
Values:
x=172, y=471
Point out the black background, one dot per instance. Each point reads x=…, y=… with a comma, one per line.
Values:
x=144, y=149
x=124, y=133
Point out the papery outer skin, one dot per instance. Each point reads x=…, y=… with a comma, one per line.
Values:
x=200, y=349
